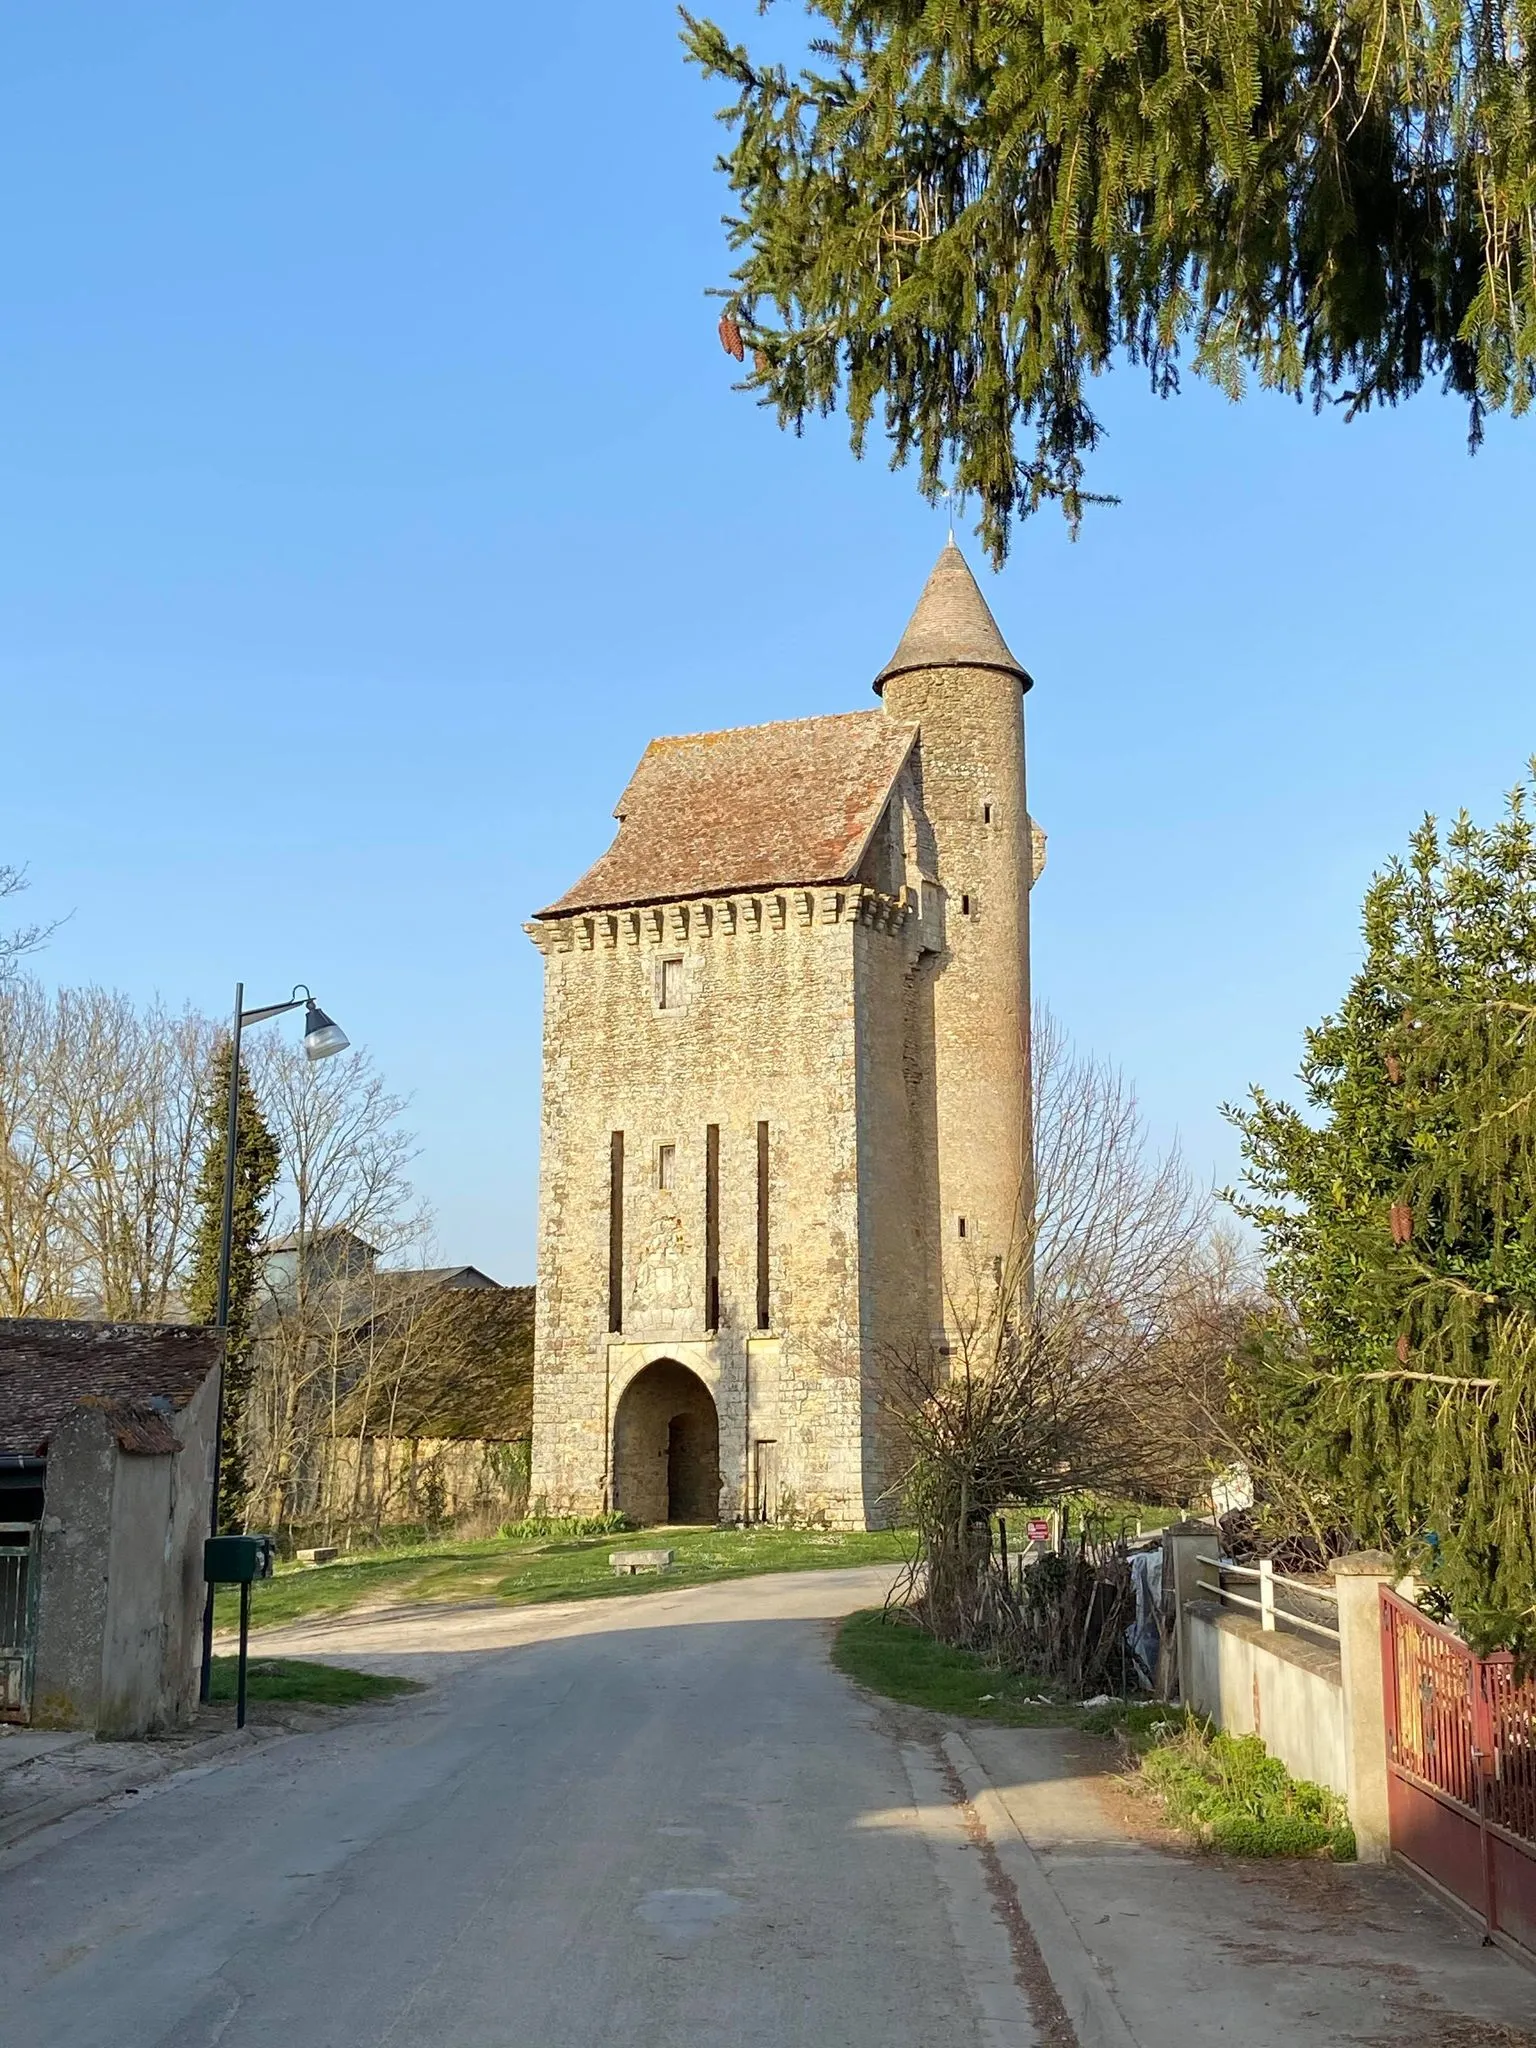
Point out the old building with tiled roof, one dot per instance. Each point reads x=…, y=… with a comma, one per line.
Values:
x=785, y=1090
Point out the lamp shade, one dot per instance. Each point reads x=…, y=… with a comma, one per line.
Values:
x=322, y=1035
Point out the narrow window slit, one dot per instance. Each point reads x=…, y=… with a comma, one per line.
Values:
x=712, y=1227
x=762, y=1226
x=616, y=1232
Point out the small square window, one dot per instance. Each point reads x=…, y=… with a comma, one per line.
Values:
x=670, y=994
x=666, y=1165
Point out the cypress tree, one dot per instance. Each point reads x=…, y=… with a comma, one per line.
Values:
x=1400, y=1224
x=256, y=1169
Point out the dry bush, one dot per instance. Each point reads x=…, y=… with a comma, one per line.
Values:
x=1091, y=1361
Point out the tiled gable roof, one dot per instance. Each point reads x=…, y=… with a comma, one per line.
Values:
x=138, y=1372
x=753, y=808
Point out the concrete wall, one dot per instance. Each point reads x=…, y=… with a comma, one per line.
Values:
x=74, y=1549
x=135, y=1641
x=182, y=1586
x=1285, y=1690
x=120, y=1589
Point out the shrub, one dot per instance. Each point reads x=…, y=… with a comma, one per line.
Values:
x=1230, y=1793
x=537, y=1528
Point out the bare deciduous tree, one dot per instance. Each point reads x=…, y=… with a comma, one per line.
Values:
x=1060, y=1371
x=99, y=1132
x=344, y=1200
x=20, y=940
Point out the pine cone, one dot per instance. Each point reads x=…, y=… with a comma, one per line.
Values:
x=1403, y=1353
x=1394, y=1069
x=760, y=362
x=1402, y=1223
x=730, y=338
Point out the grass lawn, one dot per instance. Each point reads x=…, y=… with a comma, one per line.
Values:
x=561, y=1568
x=891, y=1655
x=286, y=1678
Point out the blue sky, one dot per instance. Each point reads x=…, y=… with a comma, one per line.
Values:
x=374, y=488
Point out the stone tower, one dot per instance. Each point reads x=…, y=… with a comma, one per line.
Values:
x=785, y=1105
x=953, y=677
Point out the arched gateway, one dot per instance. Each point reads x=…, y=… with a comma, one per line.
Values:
x=666, y=1447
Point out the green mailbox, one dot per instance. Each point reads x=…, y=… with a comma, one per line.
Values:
x=237, y=1560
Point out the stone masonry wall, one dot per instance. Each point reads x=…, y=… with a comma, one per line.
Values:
x=975, y=935
x=767, y=1029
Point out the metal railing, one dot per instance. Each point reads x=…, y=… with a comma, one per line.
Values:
x=18, y=1617
x=1266, y=1579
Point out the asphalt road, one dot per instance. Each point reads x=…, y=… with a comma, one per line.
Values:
x=647, y=1824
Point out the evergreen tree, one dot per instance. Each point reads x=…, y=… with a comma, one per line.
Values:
x=966, y=208
x=256, y=1169
x=1401, y=1227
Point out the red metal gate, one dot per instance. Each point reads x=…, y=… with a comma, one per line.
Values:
x=1461, y=1757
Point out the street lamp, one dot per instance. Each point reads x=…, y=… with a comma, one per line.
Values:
x=323, y=1038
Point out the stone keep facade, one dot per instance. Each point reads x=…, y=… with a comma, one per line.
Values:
x=786, y=1102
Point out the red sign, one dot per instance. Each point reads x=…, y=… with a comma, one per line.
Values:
x=1039, y=1530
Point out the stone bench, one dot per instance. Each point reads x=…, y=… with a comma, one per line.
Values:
x=627, y=1562
x=323, y=1553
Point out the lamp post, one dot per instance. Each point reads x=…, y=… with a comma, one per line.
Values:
x=323, y=1038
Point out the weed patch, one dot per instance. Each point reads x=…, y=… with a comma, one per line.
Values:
x=1231, y=1794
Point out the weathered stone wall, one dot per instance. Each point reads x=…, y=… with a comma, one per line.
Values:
x=975, y=886
x=389, y=1480
x=766, y=1031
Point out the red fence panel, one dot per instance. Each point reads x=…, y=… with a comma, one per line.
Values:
x=1461, y=1756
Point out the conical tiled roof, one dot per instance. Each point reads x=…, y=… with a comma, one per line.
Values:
x=952, y=627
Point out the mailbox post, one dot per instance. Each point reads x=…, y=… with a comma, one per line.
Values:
x=238, y=1561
